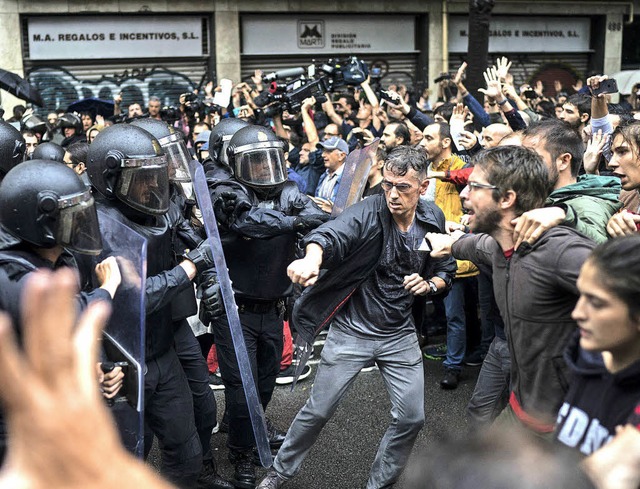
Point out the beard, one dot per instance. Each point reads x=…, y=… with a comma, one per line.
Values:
x=487, y=222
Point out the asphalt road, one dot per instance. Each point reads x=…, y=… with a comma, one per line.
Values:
x=343, y=454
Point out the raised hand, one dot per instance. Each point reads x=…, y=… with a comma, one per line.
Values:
x=502, y=67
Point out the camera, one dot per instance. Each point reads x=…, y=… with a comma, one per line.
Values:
x=442, y=77
x=290, y=95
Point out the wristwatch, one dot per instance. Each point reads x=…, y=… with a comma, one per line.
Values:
x=433, y=288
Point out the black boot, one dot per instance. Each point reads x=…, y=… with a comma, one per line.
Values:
x=245, y=473
x=210, y=479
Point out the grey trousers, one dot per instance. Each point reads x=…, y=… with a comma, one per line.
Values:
x=491, y=394
x=400, y=362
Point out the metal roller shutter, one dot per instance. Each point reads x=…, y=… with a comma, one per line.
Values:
x=63, y=82
x=526, y=66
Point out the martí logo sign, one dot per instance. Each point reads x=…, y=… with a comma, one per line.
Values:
x=310, y=34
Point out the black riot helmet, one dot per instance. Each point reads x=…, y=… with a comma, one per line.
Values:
x=49, y=151
x=126, y=163
x=12, y=147
x=257, y=158
x=178, y=156
x=70, y=120
x=220, y=136
x=45, y=203
x=34, y=123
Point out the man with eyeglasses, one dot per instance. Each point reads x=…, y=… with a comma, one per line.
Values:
x=374, y=263
x=534, y=284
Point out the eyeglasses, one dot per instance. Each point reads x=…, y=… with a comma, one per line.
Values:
x=402, y=188
x=476, y=185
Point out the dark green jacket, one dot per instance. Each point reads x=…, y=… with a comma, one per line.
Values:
x=589, y=204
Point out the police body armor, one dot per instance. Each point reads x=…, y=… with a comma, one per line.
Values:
x=264, y=275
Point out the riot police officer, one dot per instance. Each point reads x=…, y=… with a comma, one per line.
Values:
x=71, y=126
x=47, y=211
x=186, y=344
x=260, y=214
x=217, y=167
x=129, y=171
x=12, y=150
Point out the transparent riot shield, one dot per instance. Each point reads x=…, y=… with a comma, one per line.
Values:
x=256, y=412
x=123, y=337
x=354, y=177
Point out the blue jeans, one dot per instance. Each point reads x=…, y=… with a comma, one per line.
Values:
x=400, y=362
x=491, y=394
x=456, y=326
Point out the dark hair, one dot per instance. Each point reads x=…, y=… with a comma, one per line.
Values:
x=79, y=152
x=519, y=169
x=546, y=108
x=630, y=134
x=444, y=130
x=618, y=264
x=381, y=153
x=402, y=158
x=582, y=102
x=402, y=131
x=351, y=101
x=558, y=138
x=445, y=111
x=28, y=133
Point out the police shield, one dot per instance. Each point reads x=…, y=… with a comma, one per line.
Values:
x=123, y=337
x=254, y=405
x=354, y=177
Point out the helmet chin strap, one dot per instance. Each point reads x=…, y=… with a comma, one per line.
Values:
x=268, y=193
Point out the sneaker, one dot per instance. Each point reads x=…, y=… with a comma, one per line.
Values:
x=475, y=358
x=369, y=368
x=287, y=375
x=436, y=352
x=215, y=381
x=450, y=380
x=271, y=481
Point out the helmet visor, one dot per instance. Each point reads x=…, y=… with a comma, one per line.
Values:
x=178, y=158
x=144, y=185
x=261, y=167
x=79, y=229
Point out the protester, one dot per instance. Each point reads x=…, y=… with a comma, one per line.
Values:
x=534, y=285
x=379, y=281
x=604, y=355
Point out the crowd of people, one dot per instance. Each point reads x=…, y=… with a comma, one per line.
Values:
x=507, y=226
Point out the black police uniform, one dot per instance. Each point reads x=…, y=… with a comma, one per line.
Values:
x=259, y=245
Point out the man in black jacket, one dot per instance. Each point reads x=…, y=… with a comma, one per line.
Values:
x=373, y=269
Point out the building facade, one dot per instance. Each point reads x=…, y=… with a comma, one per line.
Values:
x=72, y=49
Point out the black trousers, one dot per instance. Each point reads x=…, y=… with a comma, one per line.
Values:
x=195, y=368
x=263, y=338
x=169, y=415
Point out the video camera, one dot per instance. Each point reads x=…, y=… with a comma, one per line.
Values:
x=316, y=82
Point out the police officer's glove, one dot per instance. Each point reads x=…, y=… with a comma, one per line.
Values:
x=228, y=205
x=307, y=223
x=202, y=257
x=210, y=295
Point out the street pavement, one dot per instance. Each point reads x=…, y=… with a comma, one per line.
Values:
x=342, y=456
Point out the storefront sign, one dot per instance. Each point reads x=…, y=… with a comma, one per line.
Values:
x=293, y=34
x=526, y=34
x=107, y=37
